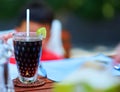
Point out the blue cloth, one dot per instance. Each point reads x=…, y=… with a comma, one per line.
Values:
x=58, y=70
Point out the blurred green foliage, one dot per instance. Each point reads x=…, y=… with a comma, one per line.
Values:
x=90, y=9
x=10, y=8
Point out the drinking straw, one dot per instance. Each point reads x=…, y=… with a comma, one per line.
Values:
x=28, y=21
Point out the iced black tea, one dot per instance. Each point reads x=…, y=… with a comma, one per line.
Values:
x=27, y=54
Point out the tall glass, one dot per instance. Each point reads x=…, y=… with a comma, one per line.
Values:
x=27, y=52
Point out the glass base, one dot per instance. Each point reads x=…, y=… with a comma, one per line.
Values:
x=27, y=80
x=39, y=82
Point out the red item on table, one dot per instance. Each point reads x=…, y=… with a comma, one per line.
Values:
x=46, y=56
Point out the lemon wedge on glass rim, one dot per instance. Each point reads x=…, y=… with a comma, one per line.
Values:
x=41, y=32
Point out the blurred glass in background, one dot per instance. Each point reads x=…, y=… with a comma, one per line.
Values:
x=6, y=83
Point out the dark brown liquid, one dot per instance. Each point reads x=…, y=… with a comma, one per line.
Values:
x=27, y=55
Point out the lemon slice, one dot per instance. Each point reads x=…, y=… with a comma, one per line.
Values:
x=41, y=32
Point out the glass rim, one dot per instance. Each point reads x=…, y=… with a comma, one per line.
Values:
x=23, y=36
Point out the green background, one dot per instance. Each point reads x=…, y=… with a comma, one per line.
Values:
x=88, y=9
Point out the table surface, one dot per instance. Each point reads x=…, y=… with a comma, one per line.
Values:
x=55, y=71
x=47, y=87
